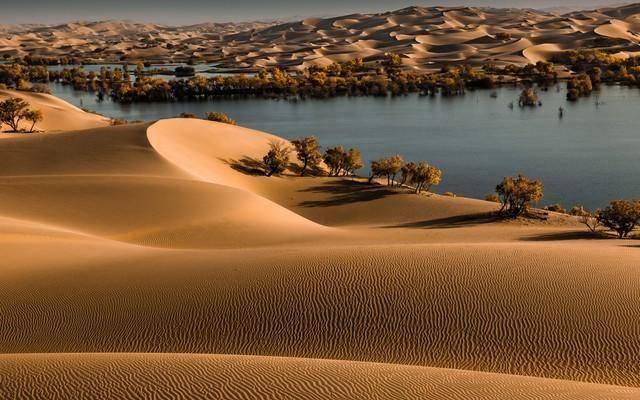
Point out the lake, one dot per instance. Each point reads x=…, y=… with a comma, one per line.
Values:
x=589, y=156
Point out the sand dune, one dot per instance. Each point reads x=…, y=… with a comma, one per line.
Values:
x=59, y=115
x=320, y=41
x=203, y=376
x=162, y=238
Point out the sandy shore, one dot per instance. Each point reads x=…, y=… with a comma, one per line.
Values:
x=145, y=257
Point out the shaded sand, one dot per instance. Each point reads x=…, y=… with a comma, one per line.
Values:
x=164, y=238
x=58, y=114
x=421, y=35
x=129, y=376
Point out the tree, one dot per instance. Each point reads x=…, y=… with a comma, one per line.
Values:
x=308, y=152
x=277, y=159
x=352, y=162
x=528, y=98
x=334, y=158
x=12, y=111
x=33, y=116
x=387, y=167
x=406, y=172
x=425, y=176
x=220, y=117
x=517, y=194
x=620, y=216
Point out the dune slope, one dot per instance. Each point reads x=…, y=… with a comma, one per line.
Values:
x=161, y=239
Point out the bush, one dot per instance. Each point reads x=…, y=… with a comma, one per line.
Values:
x=187, y=115
x=277, y=159
x=556, y=208
x=494, y=198
x=517, y=194
x=220, y=117
x=590, y=220
x=620, y=216
x=308, y=153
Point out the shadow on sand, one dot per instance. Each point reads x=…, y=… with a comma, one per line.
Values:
x=246, y=165
x=574, y=235
x=347, y=191
x=457, y=221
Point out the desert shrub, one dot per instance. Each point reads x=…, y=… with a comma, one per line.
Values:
x=588, y=219
x=557, y=208
x=517, y=194
x=118, y=121
x=494, y=198
x=620, y=216
x=425, y=177
x=308, y=153
x=220, y=117
x=187, y=115
x=277, y=159
x=449, y=194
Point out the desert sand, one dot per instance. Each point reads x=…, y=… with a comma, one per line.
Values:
x=425, y=37
x=150, y=258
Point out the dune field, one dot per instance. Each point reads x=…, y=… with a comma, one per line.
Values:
x=150, y=260
x=424, y=37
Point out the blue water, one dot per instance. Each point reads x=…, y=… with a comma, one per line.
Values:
x=589, y=157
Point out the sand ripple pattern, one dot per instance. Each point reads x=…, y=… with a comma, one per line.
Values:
x=556, y=312
x=179, y=376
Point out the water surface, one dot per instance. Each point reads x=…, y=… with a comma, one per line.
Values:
x=589, y=156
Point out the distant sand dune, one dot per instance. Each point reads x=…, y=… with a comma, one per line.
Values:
x=252, y=45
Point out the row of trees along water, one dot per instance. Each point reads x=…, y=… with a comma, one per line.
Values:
x=352, y=78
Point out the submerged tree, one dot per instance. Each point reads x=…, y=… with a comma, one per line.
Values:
x=517, y=194
x=277, y=159
x=308, y=152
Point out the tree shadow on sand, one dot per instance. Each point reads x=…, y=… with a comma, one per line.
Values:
x=347, y=191
x=573, y=235
x=246, y=165
x=457, y=221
